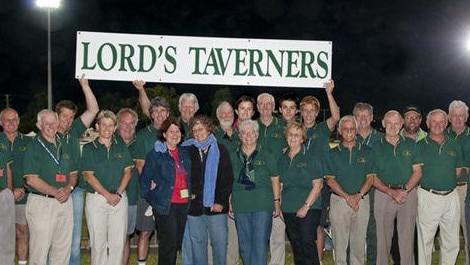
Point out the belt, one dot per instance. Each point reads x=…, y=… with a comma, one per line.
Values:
x=396, y=187
x=438, y=192
x=42, y=194
x=365, y=194
x=461, y=183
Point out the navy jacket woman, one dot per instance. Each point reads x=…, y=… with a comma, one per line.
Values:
x=160, y=167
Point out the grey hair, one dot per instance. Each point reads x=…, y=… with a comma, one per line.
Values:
x=347, y=118
x=221, y=105
x=131, y=112
x=249, y=123
x=271, y=97
x=360, y=106
x=191, y=97
x=45, y=112
x=458, y=104
x=434, y=111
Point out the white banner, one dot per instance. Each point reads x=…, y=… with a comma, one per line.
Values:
x=202, y=60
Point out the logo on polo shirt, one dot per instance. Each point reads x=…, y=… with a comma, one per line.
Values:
x=260, y=162
x=407, y=153
x=119, y=156
x=276, y=135
x=22, y=148
x=361, y=160
x=452, y=153
x=301, y=165
x=3, y=146
x=66, y=156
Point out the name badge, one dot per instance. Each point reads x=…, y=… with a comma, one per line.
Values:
x=1, y=172
x=184, y=193
x=60, y=177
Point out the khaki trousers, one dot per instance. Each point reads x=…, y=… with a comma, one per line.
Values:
x=386, y=210
x=349, y=228
x=438, y=211
x=107, y=226
x=50, y=230
x=7, y=227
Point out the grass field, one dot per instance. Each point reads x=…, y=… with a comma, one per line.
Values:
x=328, y=260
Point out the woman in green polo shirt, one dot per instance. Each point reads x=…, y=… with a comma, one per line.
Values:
x=255, y=195
x=106, y=166
x=300, y=173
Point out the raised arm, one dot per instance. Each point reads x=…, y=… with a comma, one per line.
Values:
x=334, y=109
x=92, y=108
x=143, y=98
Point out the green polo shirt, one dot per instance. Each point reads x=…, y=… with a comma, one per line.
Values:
x=371, y=139
x=186, y=135
x=18, y=149
x=46, y=160
x=71, y=142
x=463, y=140
x=297, y=175
x=393, y=164
x=318, y=138
x=145, y=141
x=272, y=136
x=350, y=167
x=5, y=159
x=133, y=187
x=231, y=143
x=107, y=165
x=439, y=163
x=261, y=197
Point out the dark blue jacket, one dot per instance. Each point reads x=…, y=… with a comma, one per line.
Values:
x=160, y=167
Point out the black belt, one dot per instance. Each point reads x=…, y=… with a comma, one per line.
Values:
x=42, y=194
x=396, y=187
x=461, y=183
x=438, y=192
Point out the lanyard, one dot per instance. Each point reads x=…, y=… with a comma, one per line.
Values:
x=57, y=161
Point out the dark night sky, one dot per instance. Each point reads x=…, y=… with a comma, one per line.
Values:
x=388, y=53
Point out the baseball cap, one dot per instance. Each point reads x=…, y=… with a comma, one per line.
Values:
x=411, y=108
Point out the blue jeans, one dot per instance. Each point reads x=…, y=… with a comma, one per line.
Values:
x=186, y=249
x=302, y=235
x=78, y=201
x=200, y=229
x=254, y=230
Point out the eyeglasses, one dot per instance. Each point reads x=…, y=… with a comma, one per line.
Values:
x=248, y=133
x=198, y=130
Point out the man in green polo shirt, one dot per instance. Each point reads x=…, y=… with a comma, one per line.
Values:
x=10, y=120
x=225, y=132
x=51, y=172
x=70, y=131
x=458, y=130
x=159, y=110
x=442, y=164
x=318, y=140
x=188, y=105
x=366, y=135
x=127, y=120
x=227, y=135
x=271, y=136
x=7, y=205
x=348, y=174
x=395, y=179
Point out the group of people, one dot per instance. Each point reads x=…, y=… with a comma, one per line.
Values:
x=229, y=193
